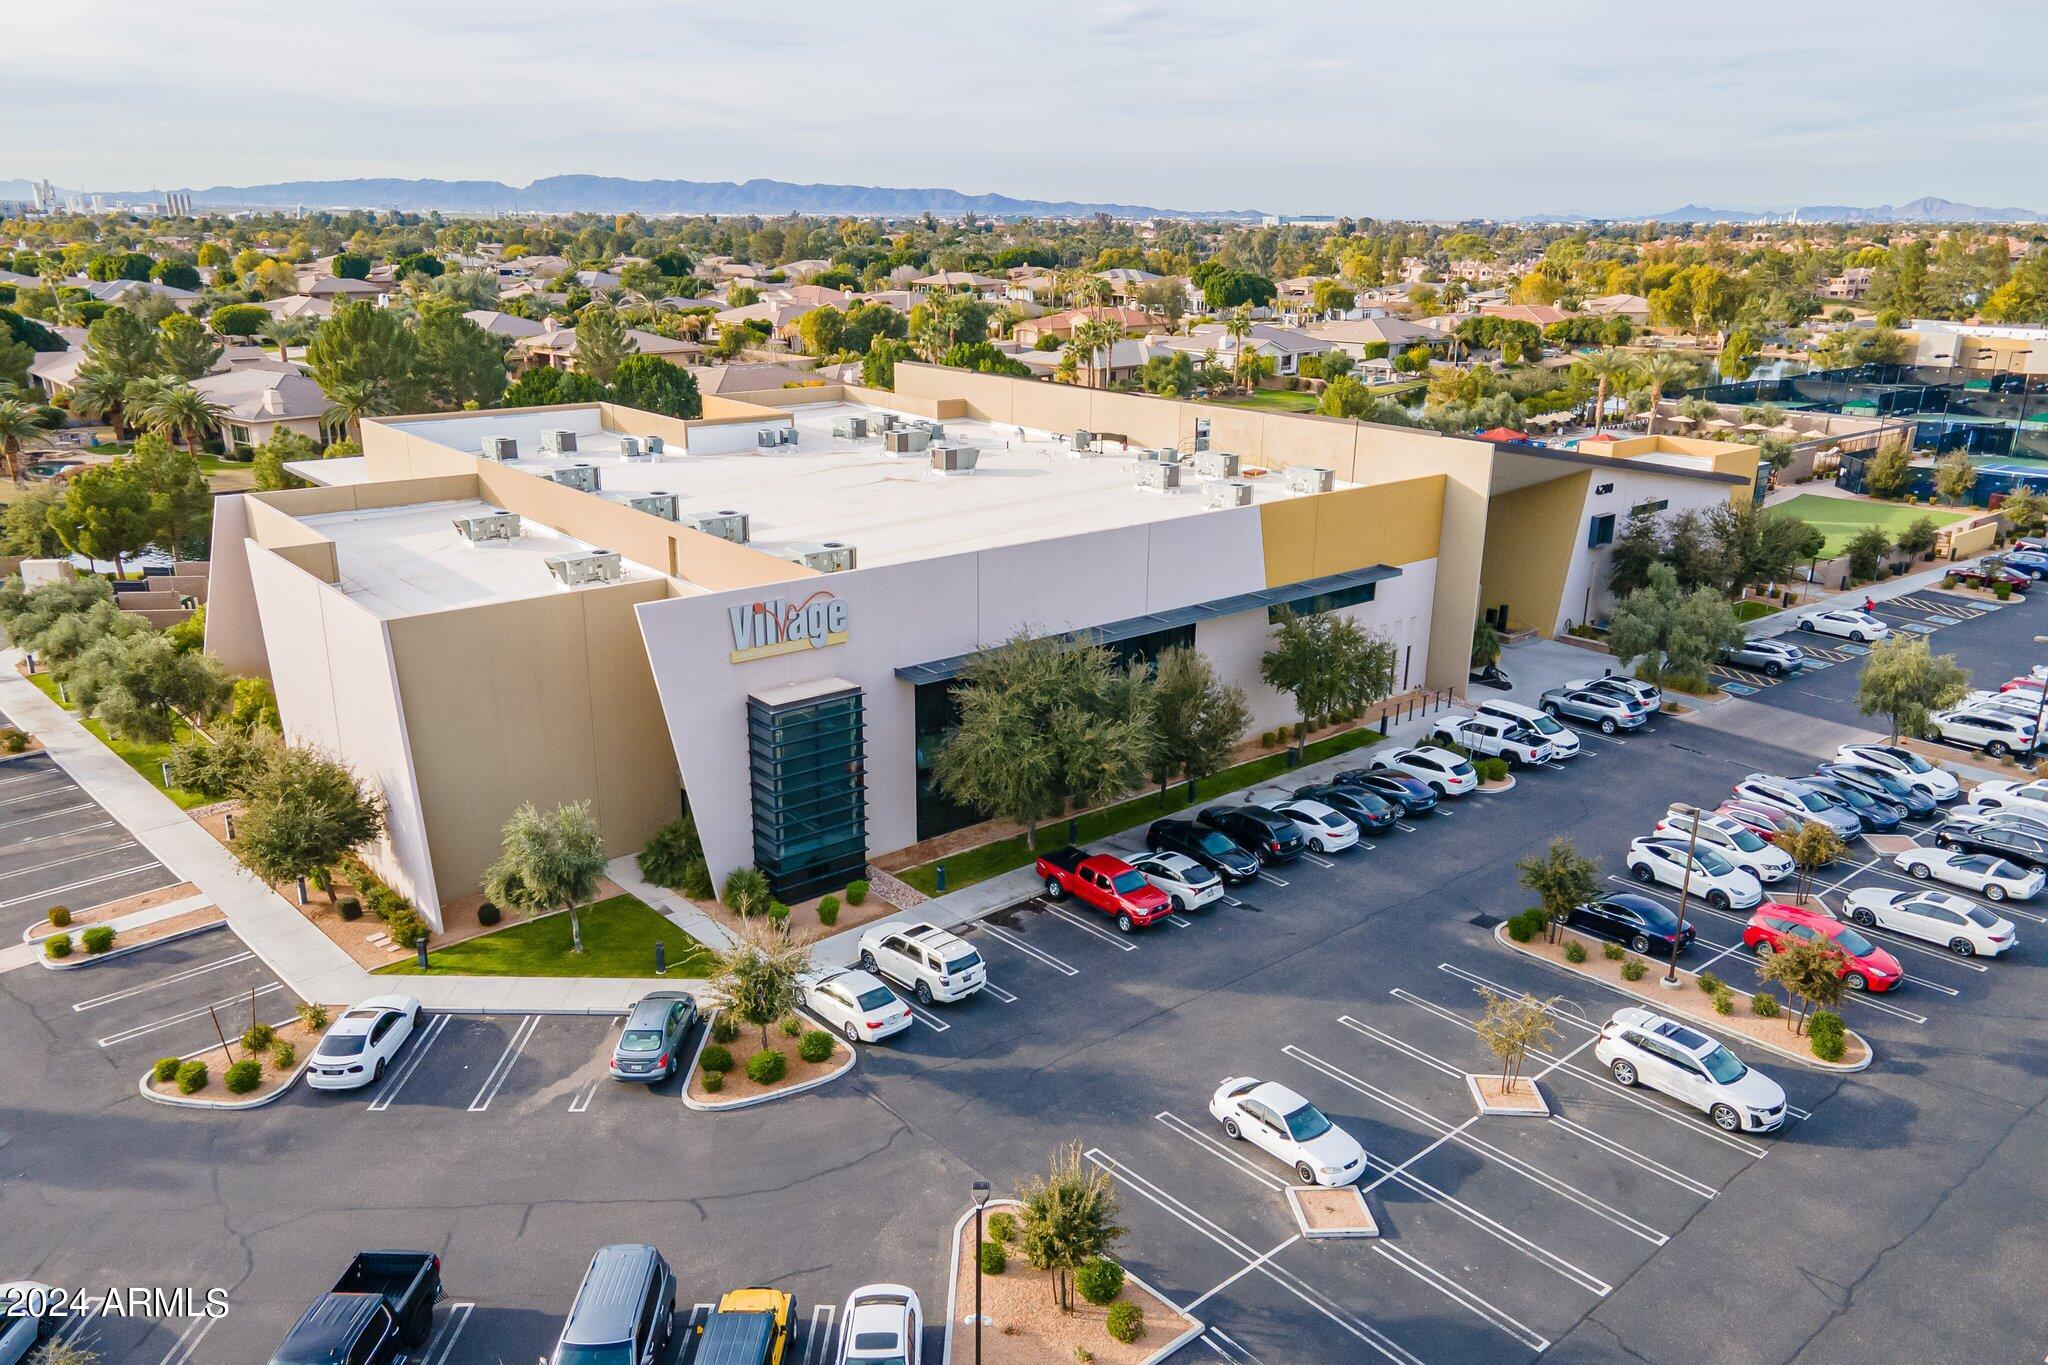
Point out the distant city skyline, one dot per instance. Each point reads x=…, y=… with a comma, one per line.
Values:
x=1322, y=106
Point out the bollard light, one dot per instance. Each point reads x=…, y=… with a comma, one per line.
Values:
x=421, y=948
x=660, y=958
x=940, y=882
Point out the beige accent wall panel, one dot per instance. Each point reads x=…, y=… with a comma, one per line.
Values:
x=1531, y=534
x=234, y=631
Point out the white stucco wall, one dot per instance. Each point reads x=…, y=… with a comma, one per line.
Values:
x=234, y=634
x=1586, y=580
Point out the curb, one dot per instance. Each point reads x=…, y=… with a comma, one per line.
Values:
x=1839, y=1068
x=1535, y=1108
x=79, y=963
x=226, y=1106
x=722, y=1106
x=33, y=749
x=953, y=1289
x=1507, y=784
x=1371, y=1228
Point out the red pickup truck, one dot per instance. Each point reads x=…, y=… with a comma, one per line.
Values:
x=1109, y=884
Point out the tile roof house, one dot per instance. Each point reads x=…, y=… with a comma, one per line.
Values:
x=556, y=346
x=259, y=399
x=1633, y=306
x=1284, y=344
x=509, y=325
x=1061, y=325
x=1355, y=335
x=751, y=377
x=338, y=287
x=1539, y=314
x=298, y=306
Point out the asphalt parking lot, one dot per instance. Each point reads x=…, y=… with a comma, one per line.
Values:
x=1897, y=1214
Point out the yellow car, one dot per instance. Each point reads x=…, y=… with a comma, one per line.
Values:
x=749, y=1327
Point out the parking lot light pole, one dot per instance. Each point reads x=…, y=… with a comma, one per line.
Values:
x=1684, y=890
x=981, y=1192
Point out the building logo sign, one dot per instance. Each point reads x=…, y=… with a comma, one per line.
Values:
x=762, y=630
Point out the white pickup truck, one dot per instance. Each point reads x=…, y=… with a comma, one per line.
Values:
x=1495, y=737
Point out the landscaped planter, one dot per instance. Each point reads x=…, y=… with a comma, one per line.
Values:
x=742, y=1092
x=187, y=925
x=274, y=1086
x=1323, y=1213
x=1523, y=1098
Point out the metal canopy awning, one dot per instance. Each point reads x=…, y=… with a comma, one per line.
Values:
x=938, y=670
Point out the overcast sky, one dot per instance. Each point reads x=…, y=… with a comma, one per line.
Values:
x=1486, y=107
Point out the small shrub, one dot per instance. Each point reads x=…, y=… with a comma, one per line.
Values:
x=672, y=849
x=165, y=1070
x=191, y=1077
x=790, y=1025
x=313, y=1016
x=1099, y=1279
x=13, y=741
x=1492, y=769
x=1525, y=926
x=815, y=1046
x=98, y=939
x=1764, y=1005
x=1613, y=952
x=767, y=1066
x=283, y=1055
x=856, y=892
x=488, y=914
x=1724, y=1002
x=746, y=892
x=1126, y=1321
x=58, y=946
x=2002, y=590
x=712, y=1082
x=994, y=1260
x=351, y=909
x=1829, y=1038
x=1635, y=969
x=60, y=916
x=243, y=1076
x=724, y=1029
x=256, y=1037
x=1948, y=580
x=1003, y=1226
x=715, y=1058
x=828, y=911
x=697, y=880
x=1709, y=983
x=1084, y=1355
x=1574, y=951
x=778, y=914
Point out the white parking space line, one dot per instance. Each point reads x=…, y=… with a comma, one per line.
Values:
x=820, y=1339
x=495, y=1081
x=1217, y=1340
x=31, y=776
x=197, y=1053
x=1003, y=935
x=581, y=1104
x=73, y=1332
x=1401, y=825
x=1236, y=1246
x=925, y=1017
x=1632, y=1157
x=49, y=834
x=1218, y=1149
x=1456, y=1292
x=1882, y=1007
x=1180, y=922
x=187, y=1016
x=1735, y=947
x=1247, y=1268
x=420, y=1046
x=186, y=1348
x=998, y=992
x=39, y=793
x=1270, y=879
x=1317, y=859
x=441, y=1346
x=1088, y=928
x=85, y=881
x=50, y=814
x=1476, y=980
x=185, y=974
x=1417, y=1053
x=59, y=862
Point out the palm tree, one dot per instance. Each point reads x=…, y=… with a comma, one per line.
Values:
x=1237, y=327
x=349, y=401
x=1659, y=373
x=20, y=425
x=101, y=394
x=180, y=413
x=1608, y=369
x=285, y=333
x=1097, y=338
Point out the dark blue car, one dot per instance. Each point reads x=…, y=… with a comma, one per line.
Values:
x=1411, y=794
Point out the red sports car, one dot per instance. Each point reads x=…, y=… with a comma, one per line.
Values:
x=1865, y=966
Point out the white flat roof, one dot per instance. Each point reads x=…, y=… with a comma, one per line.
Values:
x=402, y=561
x=1027, y=486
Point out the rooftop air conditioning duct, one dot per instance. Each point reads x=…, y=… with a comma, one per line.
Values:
x=488, y=526
x=558, y=441
x=726, y=525
x=1216, y=464
x=1161, y=476
x=501, y=448
x=1226, y=493
x=582, y=477
x=655, y=445
x=632, y=447
x=826, y=556
x=655, y=504
x=851, y=428
x=1309, y=478
x=951, y=459
x=587, y=566
x=906, y=441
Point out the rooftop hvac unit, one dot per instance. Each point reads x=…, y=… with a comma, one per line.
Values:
x=906, y=441
x=890, y=421
x=826, y=556
x=951, y=459
x=786, y=435
x=558, y=441
x=632, y=447
x=1161, y=476
x=852, y=428
x=587, y=566
x=1084, y=440
x=489, y=526
x=937, y=429
x=655, y=445
x=657, y=503
x=578, y=476
x=726, y=525
x=1216, y=464
x=1309, y=478
x=501, y=448
x=765, y=439
x=1226, y=493
x=1163, y=455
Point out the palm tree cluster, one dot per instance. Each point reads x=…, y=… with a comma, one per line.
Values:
x=136, y=377
x=1613, y=371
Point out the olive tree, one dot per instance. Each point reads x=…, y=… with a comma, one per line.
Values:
x=757, y=975
x=550, y=861
x=1904, y=681
x=1562, y=877
x=1809, y=969
x=302, y=810
x=1811, y=847
x=1329, y=664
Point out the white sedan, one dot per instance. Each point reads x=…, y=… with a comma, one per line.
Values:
x=1327, y=829
x=1905, y=765
x=357, y=1048
x=1962, y=926
x=1990, y=876
x=1442, y=771
x=1270, y=1116
x=1186, y=882
x=882, y=1325
x=1711, y=877
x=856, y=1003
x=2021, y=798
x=1848, y=622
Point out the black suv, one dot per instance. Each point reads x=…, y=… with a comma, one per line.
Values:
x=1266, y=834
x=1205, y=846
x=2022, y=847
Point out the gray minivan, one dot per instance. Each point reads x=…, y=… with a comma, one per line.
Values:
x=623, y=1314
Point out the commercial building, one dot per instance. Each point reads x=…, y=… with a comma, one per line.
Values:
x=759, y=615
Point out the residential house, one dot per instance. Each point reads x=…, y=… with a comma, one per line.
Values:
x=1538, y=315
x=1284, y=345
x=116, y=291
x=780, y=315
x=1851, y=284
x=555, y=347
x=1634, y=307
x=1031, y=284
x=340, y=289
x=508, y=326
x=1113, y=365
x=299, y=306
x=1124, y=283
x=258, y=400
x=594, y=280
x=968, y=280
x=750, y=377
x=805, y=269
x=1060, y=326
x=1357, y=336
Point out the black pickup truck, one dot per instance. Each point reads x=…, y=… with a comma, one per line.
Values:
x=380, y=1312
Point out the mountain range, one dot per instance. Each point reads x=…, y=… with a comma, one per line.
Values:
x=1926, y=209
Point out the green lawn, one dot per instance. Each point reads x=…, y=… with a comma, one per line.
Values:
x=988, y=860
x=1275, y=400
x=147, y=759
x=1839, y=519
x=618, y=940
x=1750, y=609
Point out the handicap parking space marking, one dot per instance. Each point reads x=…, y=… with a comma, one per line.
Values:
x=173, y=979
x=1003, y=935
x=1254, y=1261
x=1814, y=665
x=1737, y=689
x=494, y=1080
x=1088, y=928
x=441, y=1346
x=1182, y=1128
x=1919, y=627
x=207, y=1011
x=819, y=1337
x=395, y=1081
x=1458, y=1293
x=1854, y=650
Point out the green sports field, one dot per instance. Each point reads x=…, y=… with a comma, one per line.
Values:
x=1839, y=519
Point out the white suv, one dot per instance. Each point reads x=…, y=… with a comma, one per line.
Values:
x=1442, y=771
x=1563, y=743
x=934, y=964
x=1641, y=1048
x=1905, y=765
x=1710, y=876
x=1494, y=737
x=1730, y=838
x=1995, y=733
